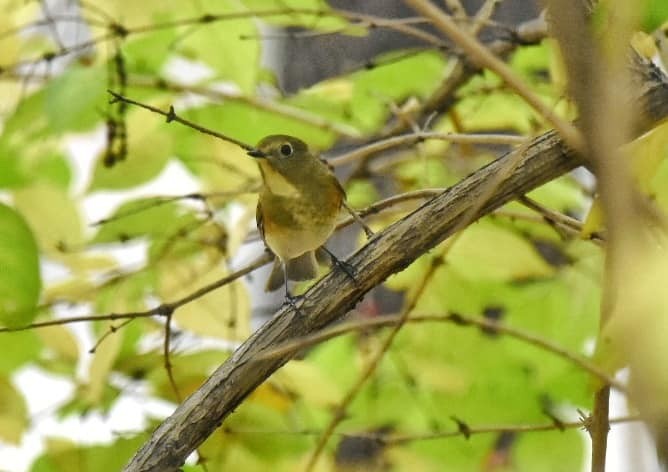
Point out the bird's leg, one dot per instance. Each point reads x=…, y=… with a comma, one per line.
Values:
x=344, y=266
x=289, y=298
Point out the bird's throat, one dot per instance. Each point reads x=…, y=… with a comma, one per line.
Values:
x=276, y=183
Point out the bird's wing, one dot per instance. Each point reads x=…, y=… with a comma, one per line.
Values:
x=259, y=220
x=338, y=184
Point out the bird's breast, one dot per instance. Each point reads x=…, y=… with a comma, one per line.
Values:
x=302, y=221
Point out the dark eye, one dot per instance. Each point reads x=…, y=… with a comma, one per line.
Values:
x=285, y=150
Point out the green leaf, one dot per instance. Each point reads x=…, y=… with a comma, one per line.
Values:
x=52, y=214
x=29, y=120
x=563, y=194
x=327, y=102
x=204, y=315
x=128, y=293
x=424, y=172
x=20, y=280
x=63, y=456
x=261, y=412
x=149, y=148
x=189, y=370
x=510, y=257
x=533, y=59
x=11, y=174
x=135, y=13
x=53, y=168
x=75, y=99
x=26, y=162
x=541, y=451
x=361, y=193
x=18, y=348
x=395, y=77
x=28, y=151
x=152, y=217
x=147, y=54
x=220, y=46
x=13, y=413
x=104, y=357
x=494, y=111
x=655, y=14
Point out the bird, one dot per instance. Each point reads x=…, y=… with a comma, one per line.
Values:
x=298, y=206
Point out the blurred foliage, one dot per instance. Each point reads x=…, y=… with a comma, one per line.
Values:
x=510, y=266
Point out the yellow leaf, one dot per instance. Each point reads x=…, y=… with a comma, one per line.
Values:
x=61, y=341
x=76, y=289
x=98, y=372
x=15, y=13
x=51, y=214
x=441, y=377
x=637, y=325
x=135, y=13
x=594, y=221
x=13, y=413
x=309, y=382
x=10, y=47
x=149, y=149
x=486, y=251
x=644, y=44
x=647, y=152
x=339, y=89
x=273, y=397
x=220, y=164
x=88, y=262
x=223, y=313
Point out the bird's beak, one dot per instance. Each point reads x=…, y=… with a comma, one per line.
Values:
x=256, y=153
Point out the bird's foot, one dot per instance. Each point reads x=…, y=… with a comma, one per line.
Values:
x=291, y=301
x=348, y=269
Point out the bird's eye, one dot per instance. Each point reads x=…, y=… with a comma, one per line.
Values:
x=285, y=150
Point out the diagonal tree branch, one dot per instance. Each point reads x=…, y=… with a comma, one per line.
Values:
x=388, y=252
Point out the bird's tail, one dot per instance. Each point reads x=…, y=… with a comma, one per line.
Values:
x=304, y=267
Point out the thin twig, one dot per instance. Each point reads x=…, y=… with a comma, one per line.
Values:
x=162, y=310
x=112, y=329
x=358, y=219
x=272, y=106
x=518, y=428
x=394, y=439
x=168, y=363
x=364, y=152
x=172, y=116
x=152, y=202
x=551, y=215
x=457, y=319
x=80, y=319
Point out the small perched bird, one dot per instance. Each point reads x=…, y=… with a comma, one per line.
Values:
x=297, y=210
